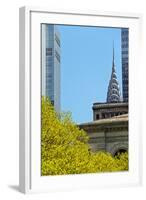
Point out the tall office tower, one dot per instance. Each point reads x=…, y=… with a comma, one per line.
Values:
x=125, y=53
x=51, y=64
x=113, y=94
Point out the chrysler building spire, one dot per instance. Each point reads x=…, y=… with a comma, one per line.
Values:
x=113, y=94
x=113, y=65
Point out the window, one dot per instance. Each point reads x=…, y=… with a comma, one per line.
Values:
x=103, y=115
x=48, y=51
x=125, y=45
x=52, y=102
x=97, y=116
x=124, y=52
x=112, y=114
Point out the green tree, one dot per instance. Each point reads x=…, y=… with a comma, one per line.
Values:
x=65, y=149
x=122, y=161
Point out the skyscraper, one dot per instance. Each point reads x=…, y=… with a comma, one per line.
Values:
x=113, y=105
x=125, y=53
x=113, y=94
x=51, y=64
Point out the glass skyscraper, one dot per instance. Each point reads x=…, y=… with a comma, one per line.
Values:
x=51, y=64
x=125, y=62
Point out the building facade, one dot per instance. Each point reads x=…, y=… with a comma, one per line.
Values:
x=110, y=135
x=51, y=64
x=108, y=110
x=125, y=62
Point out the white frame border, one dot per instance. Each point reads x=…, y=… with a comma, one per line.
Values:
x=25, y=176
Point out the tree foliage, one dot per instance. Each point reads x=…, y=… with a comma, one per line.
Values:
x=65, y=149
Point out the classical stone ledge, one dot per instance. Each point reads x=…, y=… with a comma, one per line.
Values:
x=109, y=105
x=108, y=133
x=109, y=121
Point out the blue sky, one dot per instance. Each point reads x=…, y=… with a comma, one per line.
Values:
x=86, y=64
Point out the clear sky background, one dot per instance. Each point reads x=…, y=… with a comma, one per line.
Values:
x=86, y=65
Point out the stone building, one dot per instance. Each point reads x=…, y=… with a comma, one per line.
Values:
x=107, y=110
x=109, y=135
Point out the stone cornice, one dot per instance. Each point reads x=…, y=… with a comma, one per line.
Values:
x=109, y=105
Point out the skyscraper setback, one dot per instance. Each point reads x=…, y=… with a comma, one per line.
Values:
x=125, y=62
x=51, y=64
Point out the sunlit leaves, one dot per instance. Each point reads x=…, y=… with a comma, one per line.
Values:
x=65, y=149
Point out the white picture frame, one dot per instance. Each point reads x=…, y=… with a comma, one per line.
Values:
x=29, y=160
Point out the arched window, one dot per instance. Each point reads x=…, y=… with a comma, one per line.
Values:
x=120, y=151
